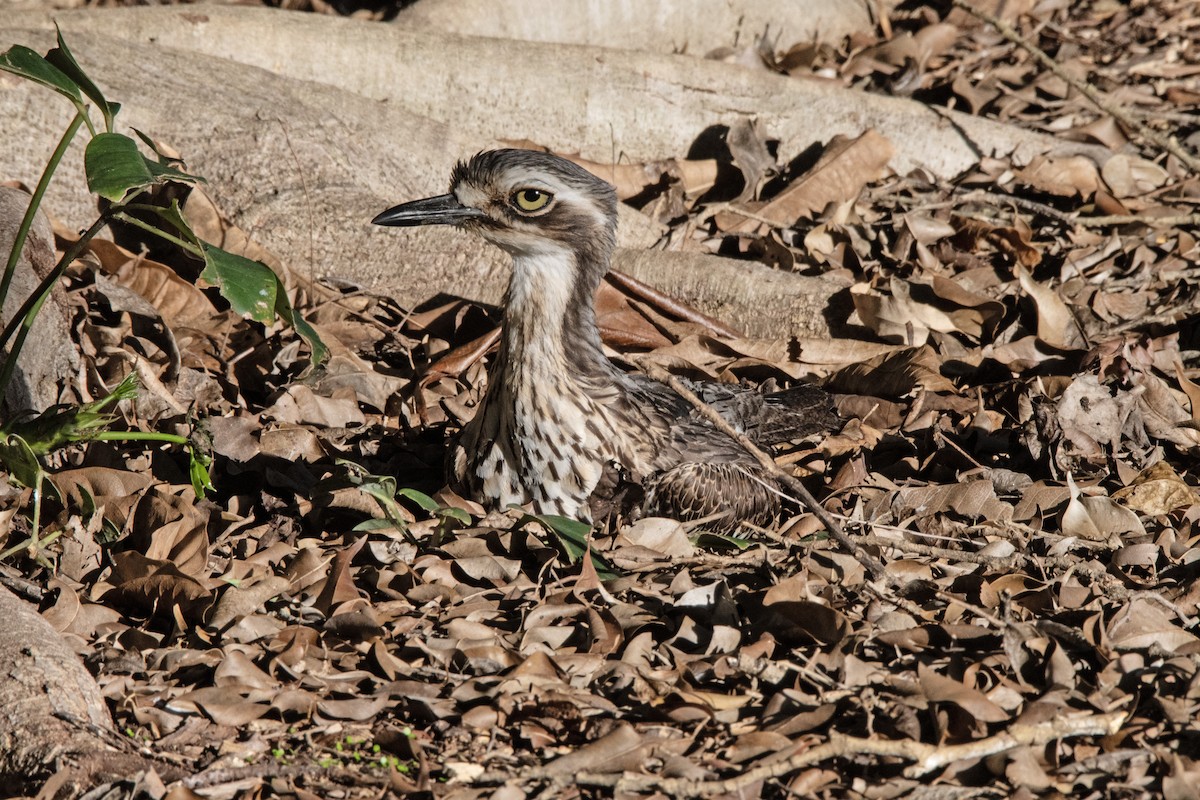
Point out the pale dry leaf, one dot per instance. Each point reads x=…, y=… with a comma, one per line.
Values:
x=291, y=443
x=1142, y=624
x=665, y=536
x=241, y=601
x=750, y=155
x=617, y=751
x=299, y=404
x=1067, y=176
x=1191, y=389
x=1157, y=490
x=897, y=317
x=926, y=229
x=1131, y=176
x=1163, y=413
x=1097, y=519
x=1056, y=325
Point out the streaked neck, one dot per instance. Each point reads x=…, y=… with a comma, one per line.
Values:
x=550, y=318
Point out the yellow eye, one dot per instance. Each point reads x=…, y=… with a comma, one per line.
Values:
x=531, y=199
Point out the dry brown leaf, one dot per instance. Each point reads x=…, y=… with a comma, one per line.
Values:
x=300, y=405
x=846, y=166
x=894, y=374
x=1163, y=413
x=1056, y=325
x=1130, y=176
x=1097, y=519
x=665, y=536
x=171, y=528
x=209, y=223
x=241, y=601
x=223, y=705
x=177, y=301
x=940, y=689
x=1143, y=624
x=1068, y=176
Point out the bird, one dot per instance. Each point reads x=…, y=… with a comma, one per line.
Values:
x=559, y=421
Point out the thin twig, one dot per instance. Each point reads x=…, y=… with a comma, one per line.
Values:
x=1022, y=203
x=1168, y=143
x=1174, y=221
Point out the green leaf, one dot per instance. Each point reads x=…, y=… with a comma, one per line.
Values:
x=573, y=535
x=420, y=498
x=721, y=541
x=253, y=289
x=318, y=352
x=455, y=513
x=372, y=525
x=115, y=167
x=61, y=58
x=198, y=464
x=20, y=60
x=165, y=160
x=383, y=489
x=20, y=461
x=250, y=286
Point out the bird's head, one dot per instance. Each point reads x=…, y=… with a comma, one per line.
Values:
x=525, y=202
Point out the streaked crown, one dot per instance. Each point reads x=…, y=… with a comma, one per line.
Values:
x=533, y=201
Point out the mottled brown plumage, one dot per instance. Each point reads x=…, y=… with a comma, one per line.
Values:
x=558, y=416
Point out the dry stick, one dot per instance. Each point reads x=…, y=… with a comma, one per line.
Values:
x=926, y=757
x=1021, y=202
x=1176, y=221
x=1168, y=143
x=873, y=565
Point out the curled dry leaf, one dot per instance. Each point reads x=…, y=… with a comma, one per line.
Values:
x=1129, y=176
x=1157, y=490
x=241, y=601
x=845, y=167
x=1056, y=325
x=1069, y=176
x=1098, y=519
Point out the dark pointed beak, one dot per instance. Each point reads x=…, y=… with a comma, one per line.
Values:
x=441, y=210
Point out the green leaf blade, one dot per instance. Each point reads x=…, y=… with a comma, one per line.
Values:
x=251, y=288
x=62, y=59
x=20, y=60
x=317, y=349
x=116, y=168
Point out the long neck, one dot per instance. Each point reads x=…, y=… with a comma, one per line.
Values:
x=550, y=328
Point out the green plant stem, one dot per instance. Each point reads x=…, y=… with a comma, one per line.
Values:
x=37, y=520
x=26, y=314
x=35, y=202
x=138, y=436
x=146, y=226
